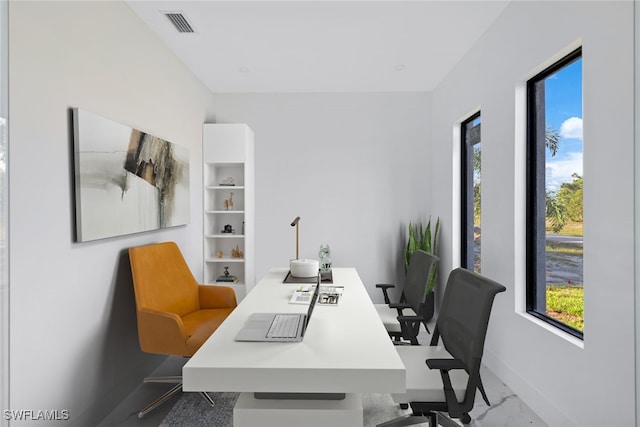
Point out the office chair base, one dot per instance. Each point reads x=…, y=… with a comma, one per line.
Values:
x=177, y=380
x=434, y=419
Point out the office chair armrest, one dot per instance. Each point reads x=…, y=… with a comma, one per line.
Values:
x=216, y=296
x=161, y=332
x=444, y=364
x=405, y=319
x=455, y=408
x=384, y=287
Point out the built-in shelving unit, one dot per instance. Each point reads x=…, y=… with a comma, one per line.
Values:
x=228, y=172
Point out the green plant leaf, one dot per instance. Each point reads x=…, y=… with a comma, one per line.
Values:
x=427, y=238
x=421, y=237
x=435, y=237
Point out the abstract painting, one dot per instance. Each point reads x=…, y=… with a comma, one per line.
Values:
x=126, y=181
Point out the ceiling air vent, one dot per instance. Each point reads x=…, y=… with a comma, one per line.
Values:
x=179, y=21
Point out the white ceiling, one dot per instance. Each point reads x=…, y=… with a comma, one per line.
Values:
x=321, y=46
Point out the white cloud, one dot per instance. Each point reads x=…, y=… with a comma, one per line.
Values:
x=571, y=128
x=559, y=171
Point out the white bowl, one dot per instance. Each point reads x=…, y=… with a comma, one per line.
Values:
x=304, y=267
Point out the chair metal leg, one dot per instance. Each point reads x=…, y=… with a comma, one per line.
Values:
x=159, y=401
x=175, y=379
x=207, y=398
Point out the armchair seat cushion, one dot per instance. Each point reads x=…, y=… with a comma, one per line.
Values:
x=200, y=324
x=389, y=316
x=424, y=384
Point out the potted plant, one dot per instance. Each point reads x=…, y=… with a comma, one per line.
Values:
x=421, y=237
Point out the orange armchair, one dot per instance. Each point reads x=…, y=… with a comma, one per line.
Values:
x=176, y=314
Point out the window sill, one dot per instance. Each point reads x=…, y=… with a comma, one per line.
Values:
x=554, y=330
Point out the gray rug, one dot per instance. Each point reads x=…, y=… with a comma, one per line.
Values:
x=193, y=411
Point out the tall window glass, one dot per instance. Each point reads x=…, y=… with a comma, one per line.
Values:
x=471, y=192
x=555, y=290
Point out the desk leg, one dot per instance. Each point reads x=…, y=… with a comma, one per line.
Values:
x=252, y=412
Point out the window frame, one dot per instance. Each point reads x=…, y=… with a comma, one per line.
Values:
x=535, y=195
x=466, y=193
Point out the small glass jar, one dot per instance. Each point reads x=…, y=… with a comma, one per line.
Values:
x=325, y=259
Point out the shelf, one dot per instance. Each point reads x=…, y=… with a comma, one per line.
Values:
x=228, y=157
x=223, y=259
x=225, y=187
x=223, y=212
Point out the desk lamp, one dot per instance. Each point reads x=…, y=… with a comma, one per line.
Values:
x=302, y=267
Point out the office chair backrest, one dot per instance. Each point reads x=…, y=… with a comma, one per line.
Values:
x=418, y=273
x=464, y=316
x=162, y=279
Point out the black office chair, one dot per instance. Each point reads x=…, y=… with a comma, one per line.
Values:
x=402, y=319
x=447, y=384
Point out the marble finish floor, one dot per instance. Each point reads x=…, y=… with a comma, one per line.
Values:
x=506, y=409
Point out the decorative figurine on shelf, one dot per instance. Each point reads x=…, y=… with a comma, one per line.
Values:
x=228, y=181
x=219, y=254
x=227, y=277
x=237, y=253
x=325, y=259
x=228, y=229
x=228, y=203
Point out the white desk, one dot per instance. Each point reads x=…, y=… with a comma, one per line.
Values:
x=346, y=349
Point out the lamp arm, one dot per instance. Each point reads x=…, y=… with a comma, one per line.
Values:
x=294, y=223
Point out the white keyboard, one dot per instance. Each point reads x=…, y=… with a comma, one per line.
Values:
x=284, y=326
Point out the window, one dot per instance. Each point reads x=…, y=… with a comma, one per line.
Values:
x=554, y=195
x=471, y=189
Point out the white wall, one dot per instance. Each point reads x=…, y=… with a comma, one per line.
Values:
x=563, y=381
x=354, y=167
x=73, y=339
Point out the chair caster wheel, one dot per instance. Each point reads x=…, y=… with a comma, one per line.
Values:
x=466, y=419
x=404, y=406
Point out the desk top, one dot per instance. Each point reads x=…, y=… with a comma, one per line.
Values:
x=346, y=348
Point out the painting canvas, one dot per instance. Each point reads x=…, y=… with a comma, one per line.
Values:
x=126, y=181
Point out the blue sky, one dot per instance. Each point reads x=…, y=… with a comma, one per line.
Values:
x=563, y=97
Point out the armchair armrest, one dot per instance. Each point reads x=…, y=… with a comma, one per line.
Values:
x=161, y=332
x=385, y=287
x=216, y=296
